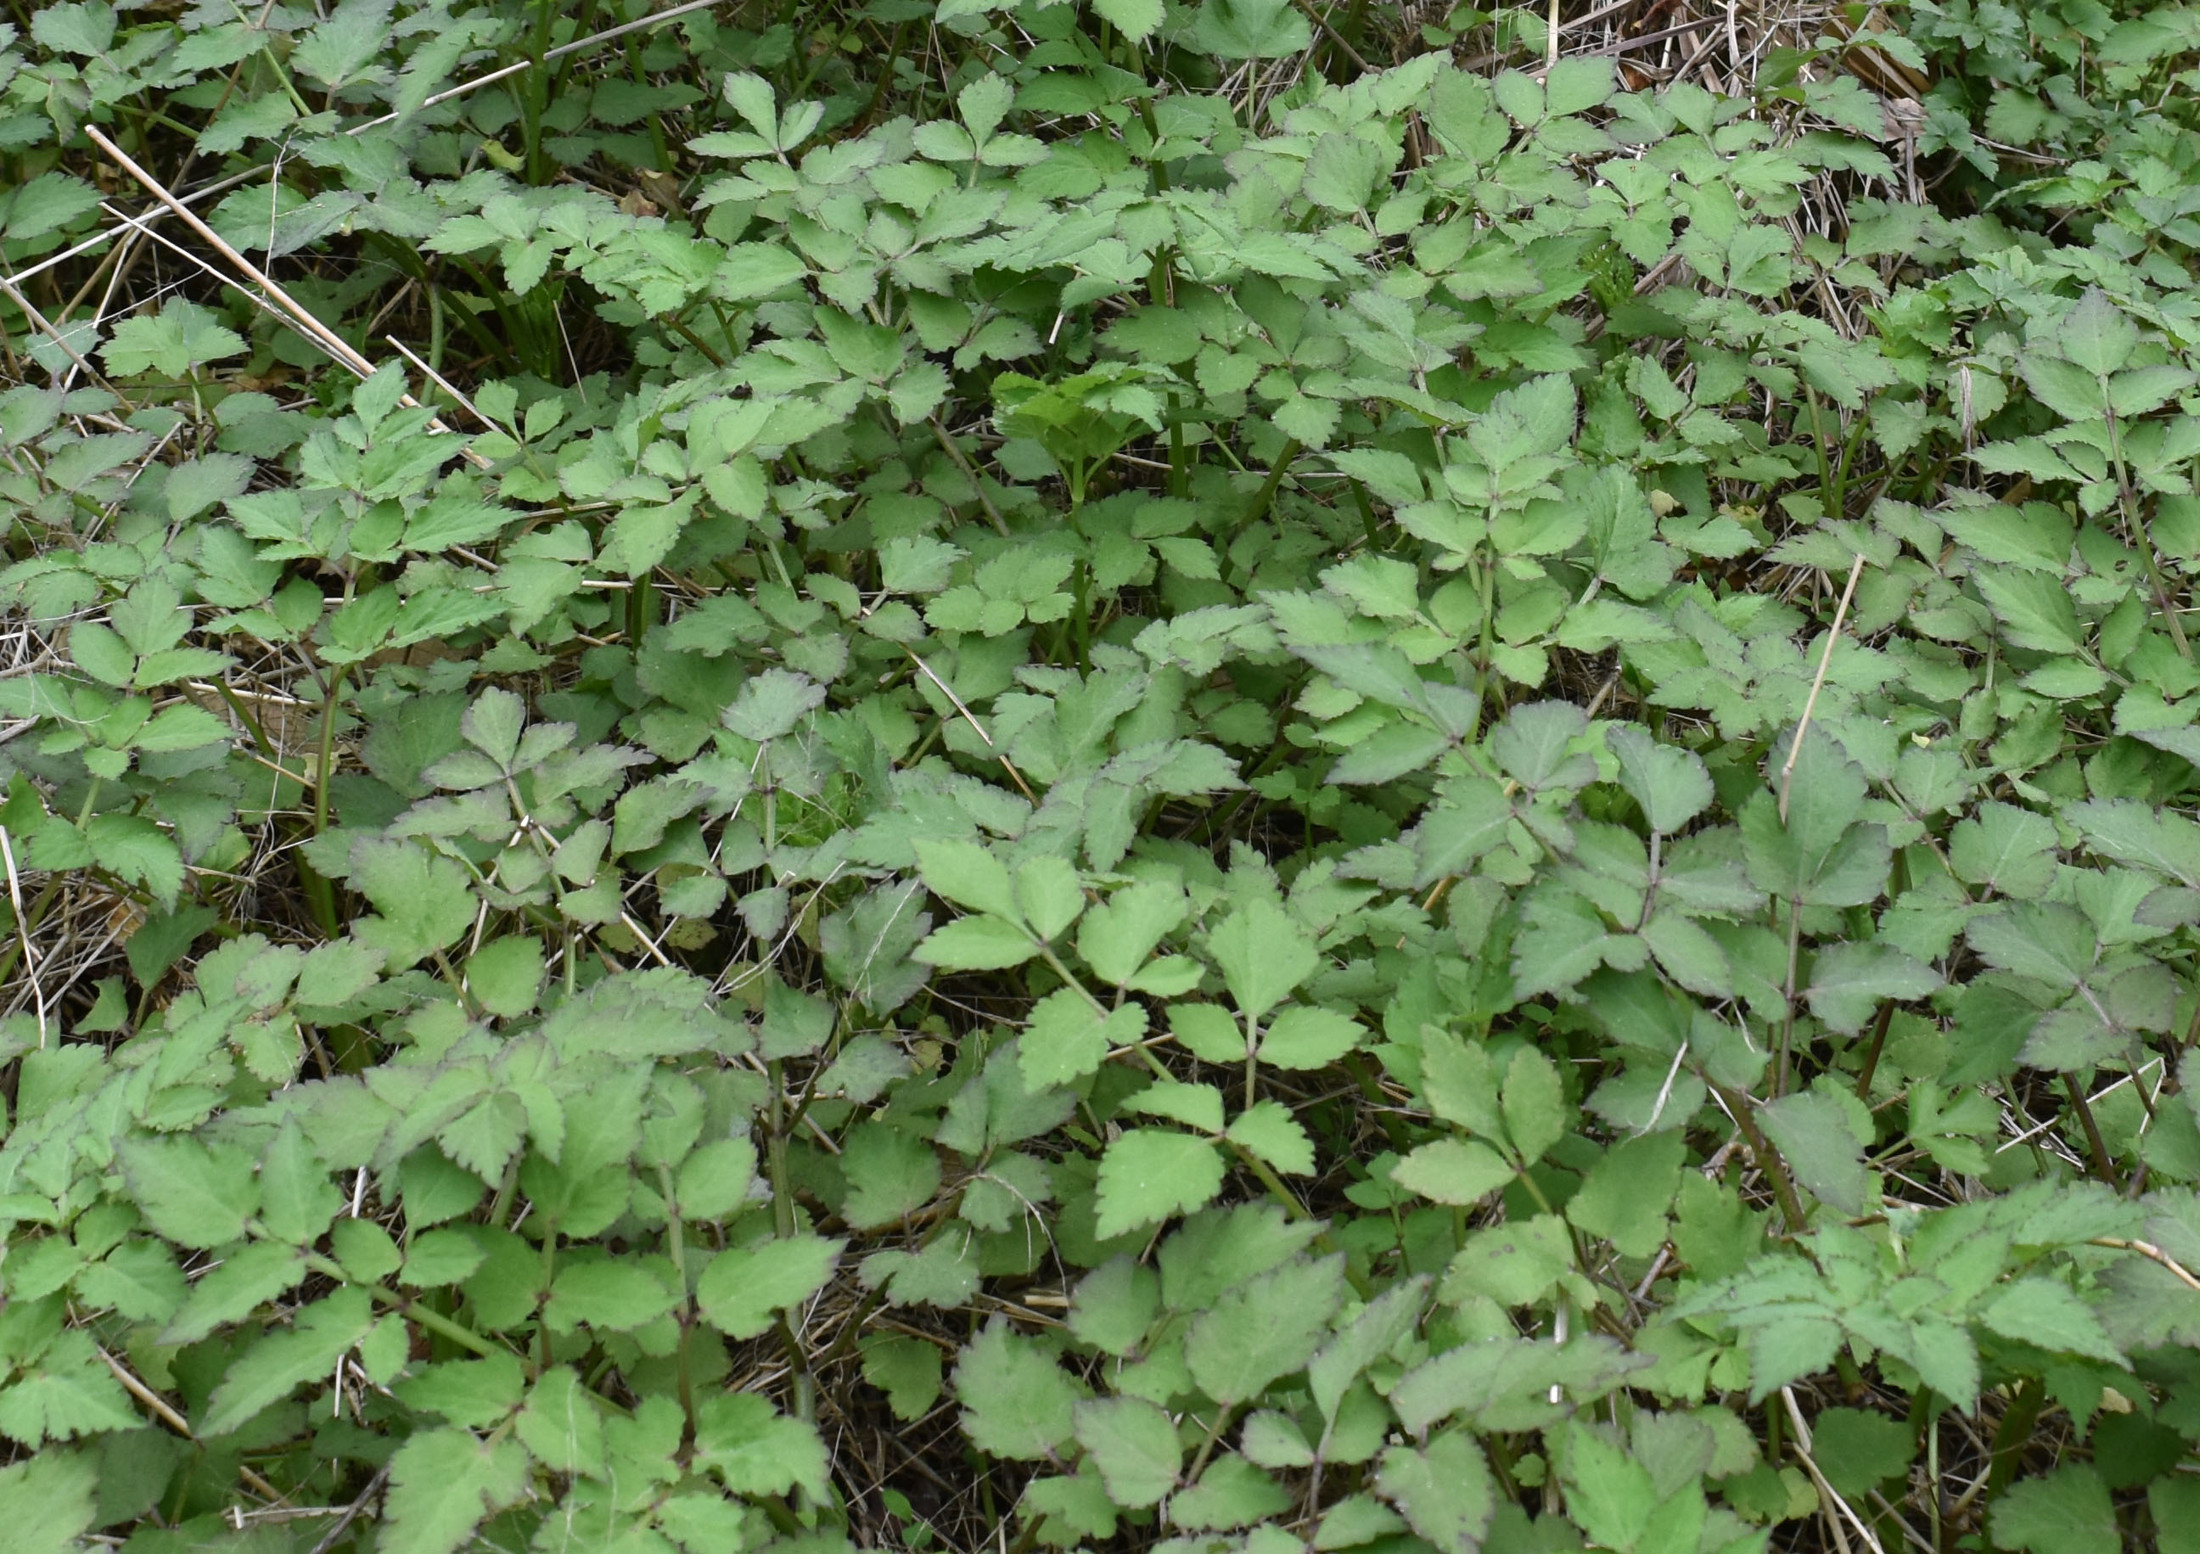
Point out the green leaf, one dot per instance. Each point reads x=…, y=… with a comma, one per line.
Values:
x=1813, y=1133
x=443, y=1482
x=714, y=1180
x=976, y=944
x=1117, y=936
x=505, y=975
x=1858, y=1450
x=561, y=1426
x=1628, y=1192
x=2034, y=608
x=1069, y=1038
x=441, y=1257
x=1263, y=954
x=1150, y=1174
x=1017, y=1402
x=1264, y=1329
x=907, y=1370
x=1048, y=891
x=743, y=1289
x=1669, y=783
x=2009, y=850
x=2066, y=1512
x=1534, y=1104
x=69, y=1392
x=280, y=1362
x=1272, y=1134
x=1444, y=1491
x=1608, y=1493
x=772, y=703
x=2049, y=1316
x=1849, y=981
x=1134, y=1446
x=297, y=1200
x=46, y=1501
x=1452, y=1171
x=1460, y=1083
x=756, y=1450
x=139, y=851
x=2098, y=336
x=1304, y=1037
x=426, y=902
x=1514, y=1264
x=1194, y=1105
x=1136, y=20
x=182, y=336
x=246, y=1279
x=890, y=1173
x=969, y=875
x=45, y=204
x=194, y=1195
x=614, y=1294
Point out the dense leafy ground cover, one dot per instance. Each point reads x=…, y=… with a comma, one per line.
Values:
x=1216, y=776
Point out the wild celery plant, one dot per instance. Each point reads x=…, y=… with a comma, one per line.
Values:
x=1153, y=776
